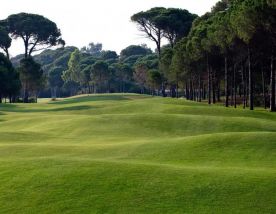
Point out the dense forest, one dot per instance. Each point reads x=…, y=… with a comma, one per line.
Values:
x=227, y=55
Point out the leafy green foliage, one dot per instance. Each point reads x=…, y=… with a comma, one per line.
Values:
x=9, y=79
x=159, y=22
x=34, y=30
x=109, y=55
x=154, y=79
x=149, y=24
x=31, y=76
x=93, y=49
x=134, y=50
x=142, y=68
x=54, y=78
x=100, y=74
x=176, y=23
x=5, y=40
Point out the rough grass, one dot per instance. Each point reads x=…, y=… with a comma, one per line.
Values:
x=136, y=154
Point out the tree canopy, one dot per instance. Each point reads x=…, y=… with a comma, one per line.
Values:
x=9, y=79
x=5, y=40
x=226, y=55
x=36, y=31
x=134, y=50
x=159, y=22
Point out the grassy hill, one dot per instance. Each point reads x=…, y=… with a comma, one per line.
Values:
x=136, y=154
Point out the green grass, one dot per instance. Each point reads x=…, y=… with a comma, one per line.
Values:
x=136, y=154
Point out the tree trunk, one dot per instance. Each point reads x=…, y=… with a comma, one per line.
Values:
x=177, y=95
x=246, y=86
x=209, y=83
x=89, y=88
x=226, y=82
x=173, y=92
x=191, y=91
x=7, y=53
x=158, y=43
x=235, y=88
x=26, y=96
x=194, y=91
x=26, y=43
x=199, y=89
x=204, y=92
x=187, y=94
x=120, y=87
x=53, y=93
x=251, y=98
x=163, y=89
x=232, y=88
x=213, y=86
x=272, y=86
x=218, y=90
x=263, y=83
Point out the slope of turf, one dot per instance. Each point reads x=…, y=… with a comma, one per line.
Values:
x=136, y=154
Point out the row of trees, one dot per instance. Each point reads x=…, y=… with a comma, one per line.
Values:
x=227, y=55
x=136, y=69
x=69, y=71
x=228, y=52
x=92, y=70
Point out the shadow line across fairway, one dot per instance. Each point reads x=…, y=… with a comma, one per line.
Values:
x=20, y=109
x=90, y=99
x=175, y=167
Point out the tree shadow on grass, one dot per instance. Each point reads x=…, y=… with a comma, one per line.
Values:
x=25, y=108
x=91, y=98
x=1, y=115
x=16, y=108
x=73, y=108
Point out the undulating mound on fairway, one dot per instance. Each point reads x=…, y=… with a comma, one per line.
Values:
x=136, y=154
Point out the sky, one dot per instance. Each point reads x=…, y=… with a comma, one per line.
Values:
x=99, y=21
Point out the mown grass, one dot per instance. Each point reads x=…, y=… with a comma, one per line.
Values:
x=136, y=154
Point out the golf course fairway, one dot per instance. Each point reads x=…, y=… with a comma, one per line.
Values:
x=136, y=154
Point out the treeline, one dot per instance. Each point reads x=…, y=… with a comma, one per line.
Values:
x=70, y=71
x=228, y=54
x=136, y=69
x=93, y=70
